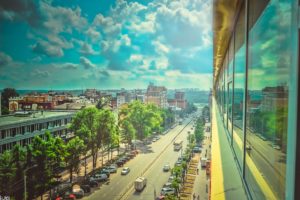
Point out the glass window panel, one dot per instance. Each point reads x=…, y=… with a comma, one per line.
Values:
x=267, y=99
x=239, y=87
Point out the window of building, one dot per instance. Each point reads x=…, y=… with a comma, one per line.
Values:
x=267, y=98
x=239, y=87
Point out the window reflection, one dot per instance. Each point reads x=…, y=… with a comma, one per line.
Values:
x=267, y=98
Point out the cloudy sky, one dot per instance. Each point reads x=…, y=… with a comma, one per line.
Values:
x=75, y=44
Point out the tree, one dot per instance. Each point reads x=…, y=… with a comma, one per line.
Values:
x=127, y=131
x=6, y=94
x=144, y=118
x=85, y=124
x=102, y=102
x=41, y=180
x=18, y=155
x=74, y=149
x=106, y=130
x=7, y=173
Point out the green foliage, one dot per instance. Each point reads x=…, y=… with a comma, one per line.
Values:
x=144, y=118
x=74, y=149
x=7, y=173
x=199, y=130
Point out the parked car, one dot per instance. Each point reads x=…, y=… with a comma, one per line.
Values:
x=86, y=188
x=103, y=171
x=165, y=191
x=197, y=150
x=125, y=171
x=90, y=183
x=78, y=192
x=69, y=196
x=167, y=185
x=112, y=169
x=166, y=168
x=99, y=177
x=120, y=162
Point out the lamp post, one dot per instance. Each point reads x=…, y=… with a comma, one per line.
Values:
x=25, y=177
x=154, y=191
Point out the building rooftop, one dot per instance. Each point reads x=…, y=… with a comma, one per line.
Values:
x=12, y=119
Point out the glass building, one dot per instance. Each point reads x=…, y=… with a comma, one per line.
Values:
x=255, y=106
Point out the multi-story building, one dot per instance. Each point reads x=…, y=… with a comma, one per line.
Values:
x=120, y=99
x=179, y=102
x=255, y=108
x=156, y=95
x=21, y=127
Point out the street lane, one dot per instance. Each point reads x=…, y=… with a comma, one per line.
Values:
x=155, y=176
x=118, y=184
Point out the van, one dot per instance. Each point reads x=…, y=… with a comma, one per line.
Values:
x=140, y=183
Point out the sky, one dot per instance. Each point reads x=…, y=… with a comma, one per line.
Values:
x=105, y=44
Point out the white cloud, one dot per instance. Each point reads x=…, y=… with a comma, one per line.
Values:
x=87, y=49
x=4, y=59
x=87, y=64
x=93, y=34
x=160, y=48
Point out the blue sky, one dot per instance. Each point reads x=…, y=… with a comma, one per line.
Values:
x=105, y=44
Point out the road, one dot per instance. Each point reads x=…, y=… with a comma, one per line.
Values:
x=119, y=185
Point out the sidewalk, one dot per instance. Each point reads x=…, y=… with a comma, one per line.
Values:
x=66, y=175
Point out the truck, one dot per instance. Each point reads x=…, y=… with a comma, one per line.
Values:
x=140, y=183
x=203, y=162
x=180, y=121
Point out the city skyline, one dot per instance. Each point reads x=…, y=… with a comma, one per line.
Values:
x=106, y=45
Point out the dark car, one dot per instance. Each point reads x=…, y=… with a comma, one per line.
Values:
x=90, y=183
x=103, y=171
x=86, y=188
x=120, y=162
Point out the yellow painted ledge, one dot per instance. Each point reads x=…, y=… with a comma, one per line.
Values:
x=217, y=186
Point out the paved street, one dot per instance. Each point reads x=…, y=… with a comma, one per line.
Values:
x=119, y=186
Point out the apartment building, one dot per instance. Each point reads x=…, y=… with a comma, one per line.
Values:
x=22, y=127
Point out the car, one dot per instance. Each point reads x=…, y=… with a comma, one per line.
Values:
x=78, y=192
x=178, y=162
x=125, y=171
x=165, y=191
x=276, y=146
x=171, y=178
x=86, y=188
x=167, y=185
x=154, y=139
x=166, y=168
x=103, y=170
x=69, y=196
x=120, y=162
x=99, y=177
x=112, y=169
x=90, y=183
x=197, y=150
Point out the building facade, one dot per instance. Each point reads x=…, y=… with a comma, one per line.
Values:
x=157, y=95
x=22, y=127
x=255, y=106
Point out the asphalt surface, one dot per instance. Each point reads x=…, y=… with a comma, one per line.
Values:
x=149, y=162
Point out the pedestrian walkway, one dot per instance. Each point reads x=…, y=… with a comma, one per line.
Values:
x=187, y=191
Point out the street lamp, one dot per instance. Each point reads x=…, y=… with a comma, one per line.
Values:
x=25, y=170
x=154, y=190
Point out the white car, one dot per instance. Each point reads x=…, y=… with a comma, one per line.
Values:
x=169, y=190
x=125, y=171
x=166, y=168
x=99, y=177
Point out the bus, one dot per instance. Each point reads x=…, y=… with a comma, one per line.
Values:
x=177, y=145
